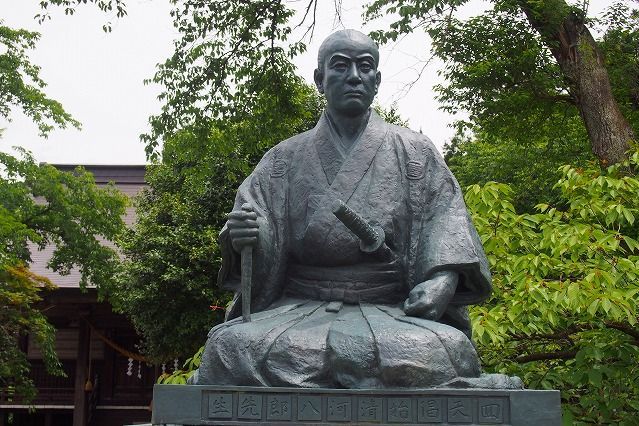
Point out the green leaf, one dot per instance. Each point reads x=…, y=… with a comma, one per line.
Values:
x=633, y=245
x=573, y=291
x=629, y=216
x=594, y=376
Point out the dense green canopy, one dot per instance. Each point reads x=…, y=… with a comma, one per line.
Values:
x=40, y=206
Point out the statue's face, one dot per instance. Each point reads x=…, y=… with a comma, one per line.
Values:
x=349, y=78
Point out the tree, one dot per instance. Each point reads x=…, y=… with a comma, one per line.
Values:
x=20, y=82
x=523, y=62
x=563, y=29
x=40, y=205
x=564, y=311
x=525, y=139
x=18, y=316
x=227, y=55
x=106, y=6
x=21, y=85
x=531, y=169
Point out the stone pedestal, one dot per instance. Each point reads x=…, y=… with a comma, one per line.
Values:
x=225, y=405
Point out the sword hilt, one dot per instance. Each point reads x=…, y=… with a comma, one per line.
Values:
x=371, y=237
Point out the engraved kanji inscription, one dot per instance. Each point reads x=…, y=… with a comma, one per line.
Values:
x=309, y=407
x=250, y=407
x=491, y=411
x=400, y=410
x=460, y=410
x=430, y=410
x=339, y=408
x=279, y=407
x=369, y=409
x=220, y=406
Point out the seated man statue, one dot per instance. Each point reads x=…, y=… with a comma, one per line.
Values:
x=329, y=311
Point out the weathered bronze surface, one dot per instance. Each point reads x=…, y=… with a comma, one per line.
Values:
x=230, y=405
x=331, y=309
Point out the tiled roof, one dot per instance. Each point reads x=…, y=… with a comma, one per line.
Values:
x=128, y=179
x=119, y=174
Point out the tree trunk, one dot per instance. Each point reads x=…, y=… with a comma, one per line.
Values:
x=582, y=64
x=81, y=366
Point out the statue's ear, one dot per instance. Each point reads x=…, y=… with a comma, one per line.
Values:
x=378, y=80
x=318, y=77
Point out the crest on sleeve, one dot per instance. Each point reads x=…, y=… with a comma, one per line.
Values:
x=279, y=168
x=414, y=170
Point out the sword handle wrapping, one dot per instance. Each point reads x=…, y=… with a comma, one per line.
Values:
x=371, y=237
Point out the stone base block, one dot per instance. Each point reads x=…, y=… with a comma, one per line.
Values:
x=225, y=405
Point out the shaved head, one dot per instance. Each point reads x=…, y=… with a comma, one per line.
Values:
x=347, y=73
x=338, y=39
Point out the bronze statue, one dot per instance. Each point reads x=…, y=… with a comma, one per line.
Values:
x=374, y=298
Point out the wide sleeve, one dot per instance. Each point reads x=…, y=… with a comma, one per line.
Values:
x=447, y=238
x=268, y=265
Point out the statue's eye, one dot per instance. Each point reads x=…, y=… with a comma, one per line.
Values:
x=340, y=66
x=365, y=66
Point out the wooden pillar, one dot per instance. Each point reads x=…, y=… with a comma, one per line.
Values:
x=108, y=373
x=81, y=367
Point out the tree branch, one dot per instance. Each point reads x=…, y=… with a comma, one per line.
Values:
x=557, y=335
x=565, y=335
x=311, y=27
x=625, y=328
x=544, y=356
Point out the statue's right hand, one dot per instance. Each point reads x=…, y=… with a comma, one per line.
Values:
x=243, y=227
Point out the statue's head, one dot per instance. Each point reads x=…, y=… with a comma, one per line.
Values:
x=347, y=72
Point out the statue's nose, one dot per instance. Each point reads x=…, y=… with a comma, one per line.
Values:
x=353, y=74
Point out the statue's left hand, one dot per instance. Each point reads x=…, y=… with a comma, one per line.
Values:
x=429, y=299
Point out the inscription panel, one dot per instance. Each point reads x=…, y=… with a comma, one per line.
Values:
x=400, y=410
x=278, y=407
x=259, y=406
x=491, y=410
x=249, y=407
x=309, y=407
x=370, y=409
x=220, y=405
x=340, y=408
x=430, y=410
x=460, y=410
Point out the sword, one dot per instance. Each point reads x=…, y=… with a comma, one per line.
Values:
x=247, y=275
x=371, y=238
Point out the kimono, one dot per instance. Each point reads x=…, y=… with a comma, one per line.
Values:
x=326, y=314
